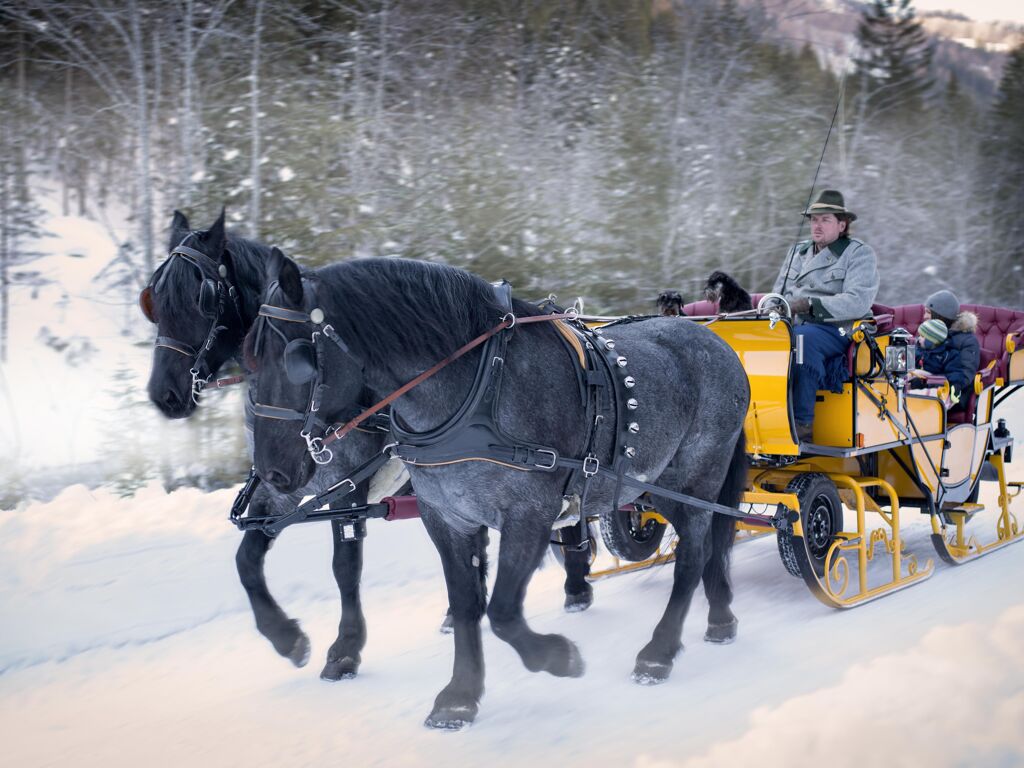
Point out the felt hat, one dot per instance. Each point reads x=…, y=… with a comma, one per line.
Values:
x=830, y=201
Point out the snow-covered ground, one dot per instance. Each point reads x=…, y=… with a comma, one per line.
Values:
x=125, y=638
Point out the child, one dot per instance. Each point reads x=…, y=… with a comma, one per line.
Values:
x=957, y=356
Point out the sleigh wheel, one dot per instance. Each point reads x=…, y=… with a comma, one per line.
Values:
x=630, y=534
x=821, y=515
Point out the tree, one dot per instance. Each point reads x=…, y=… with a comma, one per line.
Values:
x=895, y=58
x=1003, y=180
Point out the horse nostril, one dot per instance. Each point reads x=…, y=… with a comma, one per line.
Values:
x=171, y=400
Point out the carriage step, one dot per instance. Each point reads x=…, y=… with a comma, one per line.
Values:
x=968, y=509
x=849, y=538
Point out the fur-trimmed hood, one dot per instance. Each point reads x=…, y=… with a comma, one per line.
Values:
x=966, y=322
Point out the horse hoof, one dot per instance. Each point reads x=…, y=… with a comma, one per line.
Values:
x=452, y=718
x=340, y=669
x=576, y=665
x=651, y=673
x=578, y=603
x=448, y=625
x=721, y=634
x=299, y=654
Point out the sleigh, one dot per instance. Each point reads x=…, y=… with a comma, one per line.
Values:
x=880, y=452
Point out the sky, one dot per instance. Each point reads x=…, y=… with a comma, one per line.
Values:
x=981, y=10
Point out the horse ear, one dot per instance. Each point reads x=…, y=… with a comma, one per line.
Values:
x=216, y=237
x=289, y=278
x=179, y=228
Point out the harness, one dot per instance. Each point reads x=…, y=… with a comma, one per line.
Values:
x=473, y=432
x=214, y=296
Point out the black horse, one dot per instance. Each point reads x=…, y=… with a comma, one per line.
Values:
x=692, y=397
x=217, y=263
x=178, y=301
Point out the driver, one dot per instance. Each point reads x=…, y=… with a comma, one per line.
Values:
x=830, y=281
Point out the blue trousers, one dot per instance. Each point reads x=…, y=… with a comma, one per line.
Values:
x=821, y=343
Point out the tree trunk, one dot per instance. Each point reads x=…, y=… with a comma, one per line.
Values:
x=65, y=155
x=254, y=98
x=138, y=56
x=188, y=60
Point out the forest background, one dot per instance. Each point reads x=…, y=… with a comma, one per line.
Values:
x=608, y=149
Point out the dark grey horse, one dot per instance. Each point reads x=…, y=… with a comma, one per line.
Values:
x=398, y=318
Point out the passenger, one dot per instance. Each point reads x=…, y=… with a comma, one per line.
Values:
x=956, y=357
x=832, y=280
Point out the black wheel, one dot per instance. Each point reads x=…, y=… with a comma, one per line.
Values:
x=558, y=551
x=821, y=515
x=628, y=537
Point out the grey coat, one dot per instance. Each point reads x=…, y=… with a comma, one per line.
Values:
x=841, y=281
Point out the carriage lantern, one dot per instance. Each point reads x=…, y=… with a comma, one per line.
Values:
x=900, y=354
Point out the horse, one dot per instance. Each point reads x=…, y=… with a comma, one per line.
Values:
x=688, y=391
x=172, y=301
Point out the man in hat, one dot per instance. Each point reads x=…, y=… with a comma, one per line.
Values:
x=829, y=281
x=957, y=354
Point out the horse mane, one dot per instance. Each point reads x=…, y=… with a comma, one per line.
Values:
x=382, y=306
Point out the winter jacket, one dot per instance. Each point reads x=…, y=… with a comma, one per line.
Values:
x=841, y=280
x=957, y=358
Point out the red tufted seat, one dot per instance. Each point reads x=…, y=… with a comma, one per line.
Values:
x=994, y=324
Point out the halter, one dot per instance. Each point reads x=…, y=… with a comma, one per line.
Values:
x=213, y=296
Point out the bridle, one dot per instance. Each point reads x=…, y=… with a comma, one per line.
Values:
x=303, y=363
x=214, y=297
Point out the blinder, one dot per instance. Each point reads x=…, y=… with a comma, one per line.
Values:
x=208, y=298
x=300, y=364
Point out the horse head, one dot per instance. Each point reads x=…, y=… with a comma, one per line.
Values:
x=294, y=350
x=192, y=300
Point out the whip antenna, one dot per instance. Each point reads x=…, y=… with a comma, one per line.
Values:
x=814, y=181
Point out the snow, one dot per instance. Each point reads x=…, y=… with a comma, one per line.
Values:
x=125, y=630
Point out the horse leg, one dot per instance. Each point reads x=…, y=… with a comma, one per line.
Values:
x=722, y=623
x=579, y=595
x=448, y=624
x=343, y=657
x=283, y=633
x=654, y=662
x=522, y=547
x=463, y=561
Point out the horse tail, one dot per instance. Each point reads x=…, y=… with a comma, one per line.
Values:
x=723, y=527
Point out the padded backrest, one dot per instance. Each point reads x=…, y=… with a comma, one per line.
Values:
x=993, y=325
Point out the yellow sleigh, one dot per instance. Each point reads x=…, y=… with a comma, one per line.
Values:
x=879, y=450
